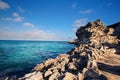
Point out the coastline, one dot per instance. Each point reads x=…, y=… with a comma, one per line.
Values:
x=19, y=57
x=90, y=59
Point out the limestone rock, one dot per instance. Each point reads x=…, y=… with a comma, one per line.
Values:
x=69, y=76
x=48, y=73
x=75, y=41
x=116, y=28
x=30, y=74
x=72, y=66
x=54, y=76
x=37, y=76
x=39, y=67
x=80, y=76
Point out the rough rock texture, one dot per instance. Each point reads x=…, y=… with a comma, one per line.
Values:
x=95, y=57
x=75, y=41
x=116, y=27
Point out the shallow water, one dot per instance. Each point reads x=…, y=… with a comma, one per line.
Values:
x=20, y=55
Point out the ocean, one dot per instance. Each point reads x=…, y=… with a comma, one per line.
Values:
x=18, y=57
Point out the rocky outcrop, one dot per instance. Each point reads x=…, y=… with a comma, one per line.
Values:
x=75, y=41
x=116, y=27
x=95, y=57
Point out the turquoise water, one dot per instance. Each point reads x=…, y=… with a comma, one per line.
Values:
x=21, y=55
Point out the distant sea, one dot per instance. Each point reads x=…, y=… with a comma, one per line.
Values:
x=17, y=57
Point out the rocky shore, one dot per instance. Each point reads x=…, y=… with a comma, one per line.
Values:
x=95, y=57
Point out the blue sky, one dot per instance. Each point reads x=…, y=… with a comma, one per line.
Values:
x=52, y=19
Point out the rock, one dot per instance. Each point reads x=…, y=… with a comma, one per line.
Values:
x=111, y=30
x=69, y=76
x=30, y=74
x=48, y=63
x=37, y=76
x=63, y=57
x=84, y=70
x=97, y=47
x=54, y=76
x=116, y=28
x=6, y=78
x=75, y=41
x=72, y=66
x=80, y=76
x=39, y=67
x=63, y=66
x=91, y=74
x=48, y=73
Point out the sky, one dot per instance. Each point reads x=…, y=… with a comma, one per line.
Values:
x=52, y=19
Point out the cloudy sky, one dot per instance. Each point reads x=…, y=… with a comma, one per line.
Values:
x=52, y=19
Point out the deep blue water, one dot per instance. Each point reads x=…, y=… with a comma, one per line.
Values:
x=20, y=55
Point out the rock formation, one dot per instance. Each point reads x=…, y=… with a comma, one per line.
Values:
x=95, y=57
x=116, y=27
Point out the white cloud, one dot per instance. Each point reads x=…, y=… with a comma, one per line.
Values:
x=18, y=19
x=21, y=10
x=15, y=14
x=27, y=24
x=4, y=5
x=7, y=19
x=74, y=5
x=35, y=34
x=7, y=33
x=88, y=11
x=79, y=22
